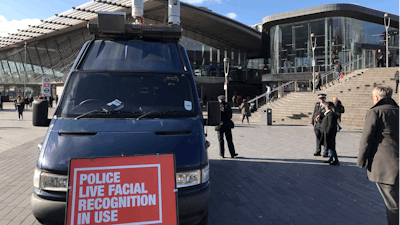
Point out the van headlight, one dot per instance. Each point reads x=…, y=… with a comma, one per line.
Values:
x=186, y=179
x=191, y=178
x=205, y=174
x=49, y=181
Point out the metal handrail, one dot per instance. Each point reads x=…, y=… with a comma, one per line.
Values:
x=273, y=90
x=326, y=74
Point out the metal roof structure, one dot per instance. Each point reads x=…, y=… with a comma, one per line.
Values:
x=192, y=17
x=53, y=45
x=77, y=16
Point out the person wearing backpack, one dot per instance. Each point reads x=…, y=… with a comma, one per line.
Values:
x=339, y=110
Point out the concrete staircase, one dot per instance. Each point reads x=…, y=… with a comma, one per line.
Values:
x=354, y=91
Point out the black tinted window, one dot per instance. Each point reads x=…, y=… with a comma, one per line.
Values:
x=133, y=56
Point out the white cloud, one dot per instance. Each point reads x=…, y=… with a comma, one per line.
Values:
x=231, y=15
x=12, y=26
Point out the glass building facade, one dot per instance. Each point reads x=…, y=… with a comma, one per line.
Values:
x=340, y=39
x=54, y=57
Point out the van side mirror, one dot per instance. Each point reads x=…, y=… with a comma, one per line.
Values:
x=213, y=113
x=40, y=113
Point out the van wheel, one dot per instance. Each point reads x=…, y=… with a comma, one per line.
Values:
x=204, y=221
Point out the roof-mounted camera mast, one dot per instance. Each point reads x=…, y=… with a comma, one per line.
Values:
x=174, y=12
x=137, y=11
x=113, y=26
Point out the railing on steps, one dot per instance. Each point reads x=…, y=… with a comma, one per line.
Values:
x=292, y=85
x=346, y=69
x=286, y=86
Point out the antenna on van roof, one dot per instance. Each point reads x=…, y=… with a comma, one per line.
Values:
x=112, y=25
x=137, y=11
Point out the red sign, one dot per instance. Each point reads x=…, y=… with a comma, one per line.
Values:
x=46, y=85
x=122, y=190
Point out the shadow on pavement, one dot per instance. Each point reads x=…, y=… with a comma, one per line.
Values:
x=3, y=128
x=318, y=160
x=291, y=193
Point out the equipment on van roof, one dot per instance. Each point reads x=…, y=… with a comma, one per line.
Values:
x=113, y=26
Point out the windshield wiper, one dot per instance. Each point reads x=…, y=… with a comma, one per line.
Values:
x=161, y=112
x=104, y=112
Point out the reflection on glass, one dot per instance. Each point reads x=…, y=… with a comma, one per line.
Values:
x=338, y=39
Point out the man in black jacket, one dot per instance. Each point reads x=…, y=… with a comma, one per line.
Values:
x=379, y=149
x=319, y=110
x=225, y=127
x=396, y=78
x=379, y=57
x=338, y=111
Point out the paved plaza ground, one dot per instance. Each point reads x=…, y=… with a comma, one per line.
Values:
x=275, y=180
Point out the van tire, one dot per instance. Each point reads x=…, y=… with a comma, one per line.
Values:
x=204, y=221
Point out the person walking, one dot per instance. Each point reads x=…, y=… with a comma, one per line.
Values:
x=26, y=102
x=245, y=107
x=338, y=69
x=225, y=127
x=390, y=58
x=379, y=149
x=20, y=107
x=339, y=109
x=268, y=93
x=379, y=57
x=329, y=130
x=30, y=100
x=234, y=100
x=51, y=101
x=396, y=78
x=317, y=81
x=319, y=111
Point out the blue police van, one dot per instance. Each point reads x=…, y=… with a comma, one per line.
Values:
x=127, y=93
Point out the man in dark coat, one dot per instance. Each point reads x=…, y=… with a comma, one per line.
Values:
x=379, y=58
x=329, y=130
x=225, y=127
x=379, y=149
x=319, y=110
x=245, y=107
x=396, y=78
x=317, y=81
x=390, y=58
x=338, y=111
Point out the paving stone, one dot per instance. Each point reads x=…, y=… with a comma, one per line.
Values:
x=275, y=179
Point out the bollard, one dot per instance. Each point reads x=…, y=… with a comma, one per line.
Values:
x=40, y=112
x=266, y=116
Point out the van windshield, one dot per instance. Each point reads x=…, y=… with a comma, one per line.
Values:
x=132, y=56
x=133, y=94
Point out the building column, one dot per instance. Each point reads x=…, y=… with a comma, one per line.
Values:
x=373, y=59
x=326, y=44
x=280, y=90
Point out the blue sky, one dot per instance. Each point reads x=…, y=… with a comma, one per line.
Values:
x=19, y=13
